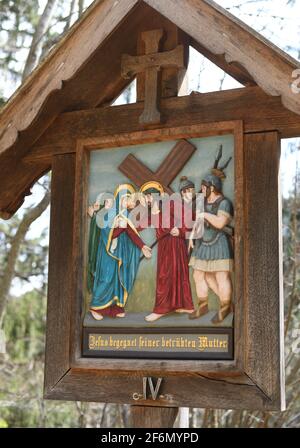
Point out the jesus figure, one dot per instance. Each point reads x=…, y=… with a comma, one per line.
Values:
x=173, y=290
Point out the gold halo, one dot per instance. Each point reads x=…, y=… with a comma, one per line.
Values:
x=127, y=187
x=152, y=184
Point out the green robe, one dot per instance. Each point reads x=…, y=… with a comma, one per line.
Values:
x=94, y=237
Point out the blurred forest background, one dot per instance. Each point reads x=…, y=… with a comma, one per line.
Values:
x=28, y=30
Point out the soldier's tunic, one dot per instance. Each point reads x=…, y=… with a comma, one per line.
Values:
x=214, y=252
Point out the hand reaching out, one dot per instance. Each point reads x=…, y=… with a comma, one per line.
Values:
x=147, y=252
x=93, y=208
x=91, y=211
x=191, y=245
x=175, y=232
x=120, y=222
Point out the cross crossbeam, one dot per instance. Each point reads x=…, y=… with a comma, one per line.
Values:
x=152, y=62
x=138, y=173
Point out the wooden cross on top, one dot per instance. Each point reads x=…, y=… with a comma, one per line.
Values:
x=139, y=174
x=152, y=62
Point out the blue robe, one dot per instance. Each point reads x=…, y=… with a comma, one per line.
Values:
x=115, y=270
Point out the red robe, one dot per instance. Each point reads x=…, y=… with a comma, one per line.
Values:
x=173, y=289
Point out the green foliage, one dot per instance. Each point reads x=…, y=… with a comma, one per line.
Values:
x=21, y=375
x=3, y=423
x=25, y=327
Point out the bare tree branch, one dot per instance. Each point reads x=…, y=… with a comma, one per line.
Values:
x=32, y=214
x=37, y=40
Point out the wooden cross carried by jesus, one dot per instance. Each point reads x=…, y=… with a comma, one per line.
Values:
x=138, y=173
x=152, y=62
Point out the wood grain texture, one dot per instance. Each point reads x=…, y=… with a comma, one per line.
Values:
x=98, y=81
x=152, y=63
x=258, y=111
x=263, y=283
x=69, y=79
x=221, y=33
x=147, y=417
x=190, y=390
x=207, y=23
x=172, y=80
x=152, y=58
x=239, y=254
x=254, y=380
x=65, y=60
x=80, y=241
x=18, y=178
x=151, y=113
x=136, y=171
x=60, y=270
x=108, y=374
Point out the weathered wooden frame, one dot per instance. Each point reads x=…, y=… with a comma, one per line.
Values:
x=254, y=379
x=84, y=149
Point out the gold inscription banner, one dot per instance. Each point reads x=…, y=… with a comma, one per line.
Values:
x=171, y=343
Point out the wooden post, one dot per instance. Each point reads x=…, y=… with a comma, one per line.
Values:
x=60, y=268
x=263, y=271
x=183, y=420
x=153, y=417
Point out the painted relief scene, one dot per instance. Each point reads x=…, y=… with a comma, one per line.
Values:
x=160, y=243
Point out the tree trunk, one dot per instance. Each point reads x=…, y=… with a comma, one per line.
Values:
x=37, y=40
x=80, y=7
x=17, y=240
x=70, y=16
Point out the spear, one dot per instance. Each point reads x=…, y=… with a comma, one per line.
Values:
x=218, y=157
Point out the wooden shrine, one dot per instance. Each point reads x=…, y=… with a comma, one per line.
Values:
x=64, y=110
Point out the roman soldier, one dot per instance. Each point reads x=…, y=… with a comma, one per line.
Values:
x=212, y=256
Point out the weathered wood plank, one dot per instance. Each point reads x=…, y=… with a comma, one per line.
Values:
x=65, y=60
x=262, y=265
x=153, y=417
x=202, y=384
x=239, y=255
x=172, y=165
x=100, y=82
x=151, y=40
x=16, y=188
x=80, y=241
x=258, y=111
x=221, y=33
x=212, y=369
x=132, y=168
x=195, y=390
x=60, y=270
x=172, y=80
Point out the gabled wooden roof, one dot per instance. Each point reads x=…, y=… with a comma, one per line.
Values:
x=83, y=71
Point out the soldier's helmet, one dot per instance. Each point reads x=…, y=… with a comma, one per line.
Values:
x=185, y=183
x=213, y=181
x=217, y=174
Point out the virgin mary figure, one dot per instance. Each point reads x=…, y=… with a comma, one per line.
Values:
x=118, y=257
